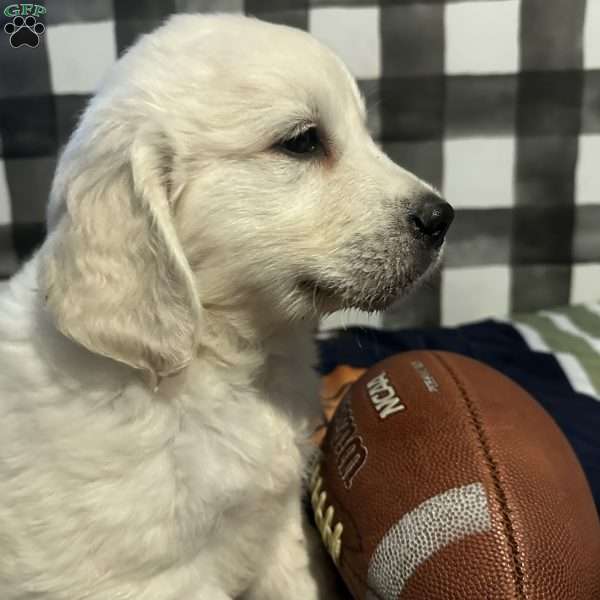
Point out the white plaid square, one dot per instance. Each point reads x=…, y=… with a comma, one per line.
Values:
x=351, y=318
x=353, y=33
x=80, y=55
x=475, y=293
x=482, y=37
x=585, y=283
x=591, y=36
x=479, y=172
x=5, y=209
x=588, y=171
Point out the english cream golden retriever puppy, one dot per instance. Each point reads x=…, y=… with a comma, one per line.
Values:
x=157, y=389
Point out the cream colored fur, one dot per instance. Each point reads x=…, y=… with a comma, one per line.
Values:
x=156, y=355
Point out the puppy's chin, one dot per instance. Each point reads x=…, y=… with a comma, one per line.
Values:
x=326, y=296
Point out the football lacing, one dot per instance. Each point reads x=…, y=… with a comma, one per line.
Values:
x=332, y=537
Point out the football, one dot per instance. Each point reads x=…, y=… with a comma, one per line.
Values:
x=442, y=479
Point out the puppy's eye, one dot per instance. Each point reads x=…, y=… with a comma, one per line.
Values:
x=306, y=142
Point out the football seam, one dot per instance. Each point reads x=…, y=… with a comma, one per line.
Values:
x=518, y=574
x=346, y=564
x=335, y=499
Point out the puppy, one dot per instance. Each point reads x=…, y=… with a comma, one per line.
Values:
x=157, y=390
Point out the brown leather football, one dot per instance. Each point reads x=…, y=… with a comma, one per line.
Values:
x=442, y=479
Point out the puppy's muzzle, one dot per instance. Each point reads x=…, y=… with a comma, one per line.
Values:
x=431, y=218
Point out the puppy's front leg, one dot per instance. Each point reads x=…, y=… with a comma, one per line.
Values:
x=298, y=567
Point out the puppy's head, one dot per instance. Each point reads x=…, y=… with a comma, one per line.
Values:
x=226, y=162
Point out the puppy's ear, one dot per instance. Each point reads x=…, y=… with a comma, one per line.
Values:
x=115, y=276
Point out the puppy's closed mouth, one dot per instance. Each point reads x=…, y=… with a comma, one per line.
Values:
x=372, y=293
x=315, y=287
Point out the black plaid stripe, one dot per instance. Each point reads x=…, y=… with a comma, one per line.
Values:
x=587, y=228
x=28, y=144
x=590, y=112
x=16, y=70
x=390, y=2
x=133, y=19
x=207, y=6
x=545, y=106
x=482, y=105
x=61, y=12
x=9, y=260
x=371, y=92
x=541, y=285
x=412, y=108
x=28, y=182
x=68, y=108
x=480, y=237
x=422, y=307
x=549, y=104
x=283, y=12
x=412, y=119
x=28, y=126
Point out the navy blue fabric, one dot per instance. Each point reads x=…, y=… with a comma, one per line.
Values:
x=501, y=346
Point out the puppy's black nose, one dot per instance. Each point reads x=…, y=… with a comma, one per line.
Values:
x=431, y=218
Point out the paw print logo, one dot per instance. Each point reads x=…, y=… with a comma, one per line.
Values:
x=24, y=32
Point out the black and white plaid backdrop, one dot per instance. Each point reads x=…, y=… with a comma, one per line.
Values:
x=497, y=102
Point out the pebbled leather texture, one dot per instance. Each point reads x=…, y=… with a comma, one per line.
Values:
x=452, y=483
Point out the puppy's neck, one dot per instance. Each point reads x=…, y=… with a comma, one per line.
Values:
x=247, y=340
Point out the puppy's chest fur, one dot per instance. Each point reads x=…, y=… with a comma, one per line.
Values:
x=251, y=439
x=182, y=485
x=239, y=457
